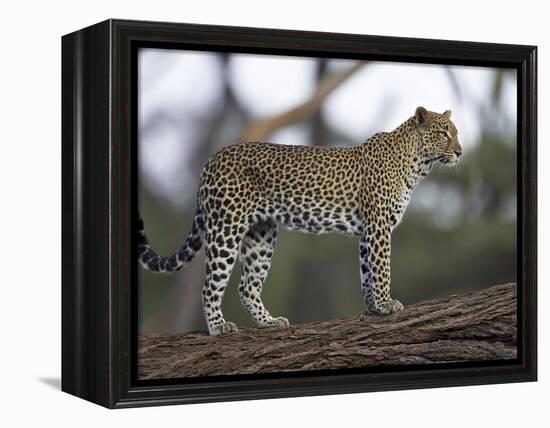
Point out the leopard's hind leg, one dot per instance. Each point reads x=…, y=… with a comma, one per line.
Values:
x=222, y=246
x=255, y=255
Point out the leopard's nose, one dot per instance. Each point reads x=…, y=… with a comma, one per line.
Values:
x=458, y=153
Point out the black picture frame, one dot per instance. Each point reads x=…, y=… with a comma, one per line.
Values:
x=98, y=178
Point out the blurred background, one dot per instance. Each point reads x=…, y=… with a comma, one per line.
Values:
x=458, y=234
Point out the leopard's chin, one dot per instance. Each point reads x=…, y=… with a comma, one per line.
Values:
x=450, y=160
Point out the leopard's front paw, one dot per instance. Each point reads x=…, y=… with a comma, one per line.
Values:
x=226, y=327
x=276, y=322
x=281, y=322
x=396, y=305
x=386, y=308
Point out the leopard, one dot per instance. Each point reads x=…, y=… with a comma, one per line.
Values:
x=248, y=189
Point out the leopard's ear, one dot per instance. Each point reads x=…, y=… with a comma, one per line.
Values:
x=447, y=114
x=421, y=117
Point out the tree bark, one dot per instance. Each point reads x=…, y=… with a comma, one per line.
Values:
x=467, y=327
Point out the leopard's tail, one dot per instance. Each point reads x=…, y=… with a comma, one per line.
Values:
x=150, y=260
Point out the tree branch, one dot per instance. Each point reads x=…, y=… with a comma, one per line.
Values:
x=468, y=327
x=263, y=128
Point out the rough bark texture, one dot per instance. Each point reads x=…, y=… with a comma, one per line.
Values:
x=467, y=327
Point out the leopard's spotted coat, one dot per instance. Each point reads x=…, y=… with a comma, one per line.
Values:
x=247, y=189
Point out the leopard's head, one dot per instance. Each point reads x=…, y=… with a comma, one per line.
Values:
x=439, y=139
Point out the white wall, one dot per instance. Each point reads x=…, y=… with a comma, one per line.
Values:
x=30, y=216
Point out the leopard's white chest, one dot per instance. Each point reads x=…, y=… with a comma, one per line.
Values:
x=399, y=210
x=409, y=184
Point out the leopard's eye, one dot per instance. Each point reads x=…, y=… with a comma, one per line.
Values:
x=444, y=134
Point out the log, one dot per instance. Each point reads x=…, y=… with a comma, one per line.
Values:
x=467, y=327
